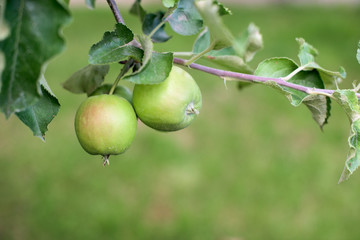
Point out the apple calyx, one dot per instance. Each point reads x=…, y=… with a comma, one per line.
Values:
x=190, y=109
x=106, y=160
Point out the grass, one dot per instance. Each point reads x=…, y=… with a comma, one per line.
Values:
x=250, y=167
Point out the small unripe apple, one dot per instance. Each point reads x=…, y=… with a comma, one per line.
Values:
x=121, y=91
x=105, y=125
x=170, y=105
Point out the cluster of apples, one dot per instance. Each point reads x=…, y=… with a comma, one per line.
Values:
x=106, y=124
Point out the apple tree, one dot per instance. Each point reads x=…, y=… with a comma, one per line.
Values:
x=165, y=96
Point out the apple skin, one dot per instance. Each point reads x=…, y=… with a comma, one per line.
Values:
x=170, y=105
x=119, y=91
x=105, y=125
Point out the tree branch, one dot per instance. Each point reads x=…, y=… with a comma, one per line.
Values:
x=223, y=74
x=115, y=11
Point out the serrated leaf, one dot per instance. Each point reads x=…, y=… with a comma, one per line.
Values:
x=155, y=72
x=151, y=20
x=222, y=9
x=137, y=10
x=87, y=79
x=169, y=3
x=350, y=103
x=185, y=19
x=358, y=53
x=219, y=33
x=307, y=54
x=249, y=43
x=114, y=47
x=90, y=3
x=38, y=116
x=33, y=25
x=318, y=105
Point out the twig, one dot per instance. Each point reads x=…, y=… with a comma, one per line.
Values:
x=115, y=10
x=254, y=79
x=236, y=75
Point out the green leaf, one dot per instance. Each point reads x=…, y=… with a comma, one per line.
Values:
x=169, y=3
x=38, y=116
x=185, y=20
x=231, y=63
x=87, y=79
x=151, y=20
x=226, y=57
x=156, y=71
x=4, y=29
x=90, y=3
x=307, y=54
x=33, y=25
x=147, y=46
x=114, y=47
x=249, y=43
x=219, y=33
x=222, y=9
x=318, y=105
x=358, y=53
x=137, y=10
x=350, y=103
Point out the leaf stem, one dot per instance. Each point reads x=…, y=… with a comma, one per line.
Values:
x=296, y=71
x=200, y=54
x=124, y=70
x=165, y=19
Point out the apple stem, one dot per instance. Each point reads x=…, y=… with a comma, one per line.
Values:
x=106, y=160
x=124, y=70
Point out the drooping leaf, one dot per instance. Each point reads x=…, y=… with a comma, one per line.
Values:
x=350, y=103
x=87, y=79
x=249, y=42
x=319, y=105
x=114, y=47
x=138, y=10
x=90, y=3
x=185, y=19
x=222, y=9
x=156, y=71
x=169, y=3
x=33, y=25
x=219, y=33
x=358, y=53
x=307, y=54
x=151, y=20
x=38, y=116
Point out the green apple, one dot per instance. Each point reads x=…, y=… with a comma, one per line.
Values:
x=105, y=125
x=170, y=105
x=119, y=91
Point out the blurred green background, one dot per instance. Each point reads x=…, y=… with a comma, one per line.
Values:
x=250, y=167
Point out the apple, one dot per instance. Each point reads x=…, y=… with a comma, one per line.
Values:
x=105, y=125
x=119, y=91
x=170, y=105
